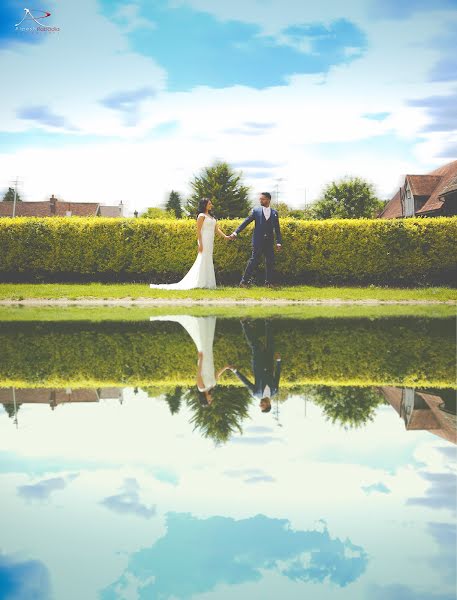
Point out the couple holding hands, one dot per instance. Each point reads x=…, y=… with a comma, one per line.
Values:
x=201, y=274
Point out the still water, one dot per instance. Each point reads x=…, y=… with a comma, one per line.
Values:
x=185, y=456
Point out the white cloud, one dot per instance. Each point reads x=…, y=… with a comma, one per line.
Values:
x=83, y=66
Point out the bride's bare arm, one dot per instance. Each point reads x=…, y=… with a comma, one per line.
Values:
x=221, y=233
x=200, y=220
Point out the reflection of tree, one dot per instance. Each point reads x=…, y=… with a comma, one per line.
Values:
x=174, y=399
x=10, y=410
x=349, y=406
x=224, y=416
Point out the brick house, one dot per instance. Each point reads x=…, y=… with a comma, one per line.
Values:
x=58, y=208
x=431, y=195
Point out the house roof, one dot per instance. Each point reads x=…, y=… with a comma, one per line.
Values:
x=423, y=185
x=26, y=209
x=447, y=174
x=432, y=185
x=43, y=209
x=393, y=208
x=78, y=209
x=451, y=187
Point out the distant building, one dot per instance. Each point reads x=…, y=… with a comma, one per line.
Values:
x=424, y=410
x=58, y=208
x=431, y=195
x=12, y=399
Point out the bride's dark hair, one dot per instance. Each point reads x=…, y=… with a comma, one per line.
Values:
x=202, y=206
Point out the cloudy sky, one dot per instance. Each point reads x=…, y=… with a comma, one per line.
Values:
x=128, y=100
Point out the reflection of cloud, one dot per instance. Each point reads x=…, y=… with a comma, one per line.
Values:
x=380, y=487
x=403, y=592
x=260, y=479
x=23, y=580
x=251, y=128
x=250, y=475
x=441, y=492
x=449, y=452
x=445, y=536
x=258, y=429
x=246, y=548
x=43, y=489
x=128, y=501
x=254, y=441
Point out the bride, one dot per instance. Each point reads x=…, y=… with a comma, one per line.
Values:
x=201, y=274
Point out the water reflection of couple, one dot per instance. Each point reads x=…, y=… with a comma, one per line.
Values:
x=266, y=365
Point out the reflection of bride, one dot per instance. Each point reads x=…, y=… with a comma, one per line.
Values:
x=201, y=330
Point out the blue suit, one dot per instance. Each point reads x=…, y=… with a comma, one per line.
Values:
x=262, y=241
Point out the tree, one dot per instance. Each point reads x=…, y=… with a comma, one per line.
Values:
x=223, y=186
x=157, y=213
x=349, y=198
x=224, y=416
x=9, y=196
x=352, y=407
x=174, y=204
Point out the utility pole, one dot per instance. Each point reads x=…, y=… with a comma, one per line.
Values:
x=278, y=181
x=15, y=196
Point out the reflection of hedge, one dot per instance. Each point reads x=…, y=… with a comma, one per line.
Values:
x=403, y=250
x=395, y=351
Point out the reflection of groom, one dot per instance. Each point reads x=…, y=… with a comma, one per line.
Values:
x=266, y=225
x=266, y=366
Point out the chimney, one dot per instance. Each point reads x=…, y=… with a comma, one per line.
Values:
x=52, y=202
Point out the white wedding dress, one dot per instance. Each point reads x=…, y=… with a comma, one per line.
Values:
x=201, y=330
x=201, y=274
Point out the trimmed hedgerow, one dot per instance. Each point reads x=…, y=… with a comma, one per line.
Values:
x=413, y=251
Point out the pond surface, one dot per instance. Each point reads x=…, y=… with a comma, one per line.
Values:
x=177, y=456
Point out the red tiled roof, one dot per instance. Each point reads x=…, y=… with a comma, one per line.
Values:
x=451, y=187
x=26, y=209
x=447, y=174
x=423, y=185
x=78, y=209
x=432, y=184
x=393, y=209
x=43, y=209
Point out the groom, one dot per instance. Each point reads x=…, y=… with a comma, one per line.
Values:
x=266, y=225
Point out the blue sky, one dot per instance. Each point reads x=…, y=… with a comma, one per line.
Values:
x=135, y=97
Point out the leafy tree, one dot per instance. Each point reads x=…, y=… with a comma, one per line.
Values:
x=352, y=407
x=157, y=213
x=223, y=186
x=9, y=196
x=174, y=204
x=283, y=209
x=224, y=416
x=349, y=198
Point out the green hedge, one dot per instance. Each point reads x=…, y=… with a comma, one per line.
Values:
x=393, y=351
x=413, y=251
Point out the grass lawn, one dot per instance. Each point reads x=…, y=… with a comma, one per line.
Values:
x=100, y=291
